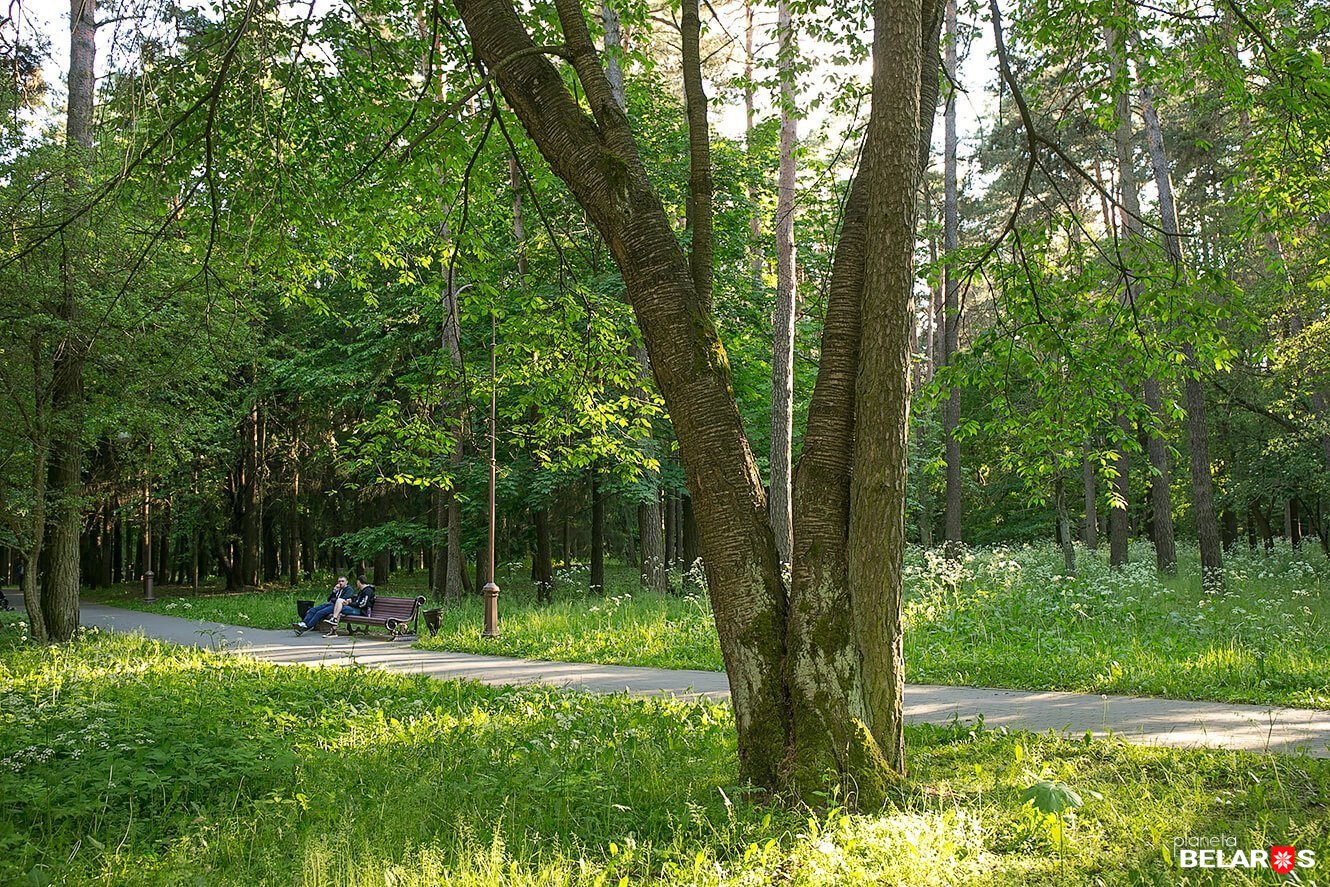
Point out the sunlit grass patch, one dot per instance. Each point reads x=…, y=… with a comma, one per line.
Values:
x=131, y=762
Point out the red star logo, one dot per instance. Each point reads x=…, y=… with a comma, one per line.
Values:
x=1283, y=859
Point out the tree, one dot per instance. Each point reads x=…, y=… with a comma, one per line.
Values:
x=1198, y=432
x=60, y=564
x=782, y=360
x=951, y=319
x=786, y=731
x=1161, y=498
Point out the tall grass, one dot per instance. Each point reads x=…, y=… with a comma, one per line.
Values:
x=127, y=761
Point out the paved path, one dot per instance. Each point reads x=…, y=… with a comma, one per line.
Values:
x=1149, y=721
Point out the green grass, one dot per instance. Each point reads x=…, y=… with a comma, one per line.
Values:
x=1002, y=617
x=127, y=761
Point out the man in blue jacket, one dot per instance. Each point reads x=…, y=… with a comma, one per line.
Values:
x=315, y=615
x=357, y=604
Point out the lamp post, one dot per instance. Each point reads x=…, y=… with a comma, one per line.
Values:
x=491, y=589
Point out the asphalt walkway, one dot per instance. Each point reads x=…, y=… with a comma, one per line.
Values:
x=1143, y=720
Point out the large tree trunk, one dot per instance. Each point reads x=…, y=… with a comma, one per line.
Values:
x=782, y=355
x=61, y=550
x=882, y=395
x=1198, y=432
x=1160, y=495
x=951, y=320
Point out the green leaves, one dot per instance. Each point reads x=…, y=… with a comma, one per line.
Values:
x=1051, y=797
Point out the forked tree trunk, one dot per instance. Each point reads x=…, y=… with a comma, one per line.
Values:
x=830, y=709
x=599, y=161
x=782, y=353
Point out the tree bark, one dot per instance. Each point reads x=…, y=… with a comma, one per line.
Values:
x=61, y=550
x=782, y=356
x=830, y=708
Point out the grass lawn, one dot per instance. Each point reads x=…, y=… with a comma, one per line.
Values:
x=127, y=761
x=1003, y=617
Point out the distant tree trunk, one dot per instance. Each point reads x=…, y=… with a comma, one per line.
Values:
x=699, y=155
x=1198, y=432
x=438, y=574
x=755, y=259
x=671, y=536
x=1160, y=493
x=1262, y=522
x=691, y=547
x=951, y=321
x=1091, y=504
x=597, y=533
x=786, y=310
x=1064, y=526
x=271, y=562
x=1119, y=523
x=1229, y=528
x=293, y=528
x=1293, y=522
x=543, y=567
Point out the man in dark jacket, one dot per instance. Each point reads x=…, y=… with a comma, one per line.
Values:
x=315, y=615
x=357, y=605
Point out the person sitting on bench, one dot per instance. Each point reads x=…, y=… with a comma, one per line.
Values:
x=315, y=615
x=356, y=605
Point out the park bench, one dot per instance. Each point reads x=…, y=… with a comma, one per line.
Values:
x=397, y=614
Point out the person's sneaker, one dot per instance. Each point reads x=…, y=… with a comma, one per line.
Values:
x=332, y=632
x=300, y=628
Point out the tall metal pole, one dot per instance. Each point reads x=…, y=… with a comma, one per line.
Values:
x=491, y=589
